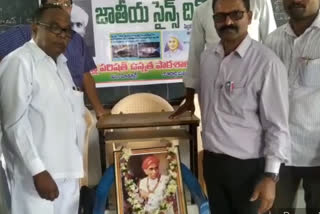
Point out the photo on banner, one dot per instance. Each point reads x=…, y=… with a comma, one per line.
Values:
x=82, y=22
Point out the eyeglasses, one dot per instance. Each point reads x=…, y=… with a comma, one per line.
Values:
x=55, y=29
x=234, y=15
x=66, y=4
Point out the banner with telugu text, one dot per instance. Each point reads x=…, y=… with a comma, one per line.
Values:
x=140, y=42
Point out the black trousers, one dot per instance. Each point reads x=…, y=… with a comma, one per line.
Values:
x=287, y=188
x=230, y=183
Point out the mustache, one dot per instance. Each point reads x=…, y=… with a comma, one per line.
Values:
x=229, y=27
x=296, y=5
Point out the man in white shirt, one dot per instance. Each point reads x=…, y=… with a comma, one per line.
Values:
x=244, y=104
x=297, y=44
x=204, y=34
x=42, y=116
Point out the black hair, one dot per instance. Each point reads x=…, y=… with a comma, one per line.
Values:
x=39, y=13
x=245, y=2
x=43, y=2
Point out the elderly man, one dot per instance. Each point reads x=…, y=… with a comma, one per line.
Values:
x=297, y=44
x=204, y=34
x=79, y=60
x=244, y=104
x=42, y=114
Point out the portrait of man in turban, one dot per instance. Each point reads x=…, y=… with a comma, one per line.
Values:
x=149, y=181
x=153, y=186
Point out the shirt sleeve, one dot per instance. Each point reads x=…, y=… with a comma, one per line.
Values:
x=89, y=63
x=274, y=110
x=15, y=98
x=197, y=44
x=13, y=38
x=267, y=20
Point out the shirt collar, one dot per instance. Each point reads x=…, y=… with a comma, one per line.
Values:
x=39, y=54
x=316, y=24
x=241, y=49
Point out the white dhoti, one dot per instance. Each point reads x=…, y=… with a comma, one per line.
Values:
x=4, y=189
x=25, y=199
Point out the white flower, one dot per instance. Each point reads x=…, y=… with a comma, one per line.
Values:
x=172, y=188
x=172, y=149
x=174, y=161
x=126, y=153
x=174, y=174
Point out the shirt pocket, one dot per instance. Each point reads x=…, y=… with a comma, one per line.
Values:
x=310, y=73
x=233, y=101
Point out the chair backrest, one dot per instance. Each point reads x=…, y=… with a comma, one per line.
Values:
x=141, y=103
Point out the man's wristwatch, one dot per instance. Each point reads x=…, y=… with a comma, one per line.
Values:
x=273, y=176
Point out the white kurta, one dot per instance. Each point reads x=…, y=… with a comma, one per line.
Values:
x=42, y=120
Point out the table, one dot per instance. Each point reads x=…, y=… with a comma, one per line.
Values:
x=143, y=120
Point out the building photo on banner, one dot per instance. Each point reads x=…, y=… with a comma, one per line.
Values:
x=136, y=42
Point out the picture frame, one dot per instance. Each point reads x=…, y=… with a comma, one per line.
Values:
x=149, y=181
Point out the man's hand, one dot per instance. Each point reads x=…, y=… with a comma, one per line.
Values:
x=265, y=192
x=100, y=113
x=45, y=186
x=187, y=106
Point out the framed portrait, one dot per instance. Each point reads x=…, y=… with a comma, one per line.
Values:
x=149, y=181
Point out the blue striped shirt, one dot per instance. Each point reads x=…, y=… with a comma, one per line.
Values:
x=77, y=53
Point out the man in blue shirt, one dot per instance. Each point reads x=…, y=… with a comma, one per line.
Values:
x=80, y=62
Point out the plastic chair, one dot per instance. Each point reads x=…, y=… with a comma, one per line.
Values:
x=90, y=123
x=141, y=103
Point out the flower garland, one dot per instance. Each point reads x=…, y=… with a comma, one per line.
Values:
x=135, y=200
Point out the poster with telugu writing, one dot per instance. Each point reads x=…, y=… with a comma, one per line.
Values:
x=140, y=42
